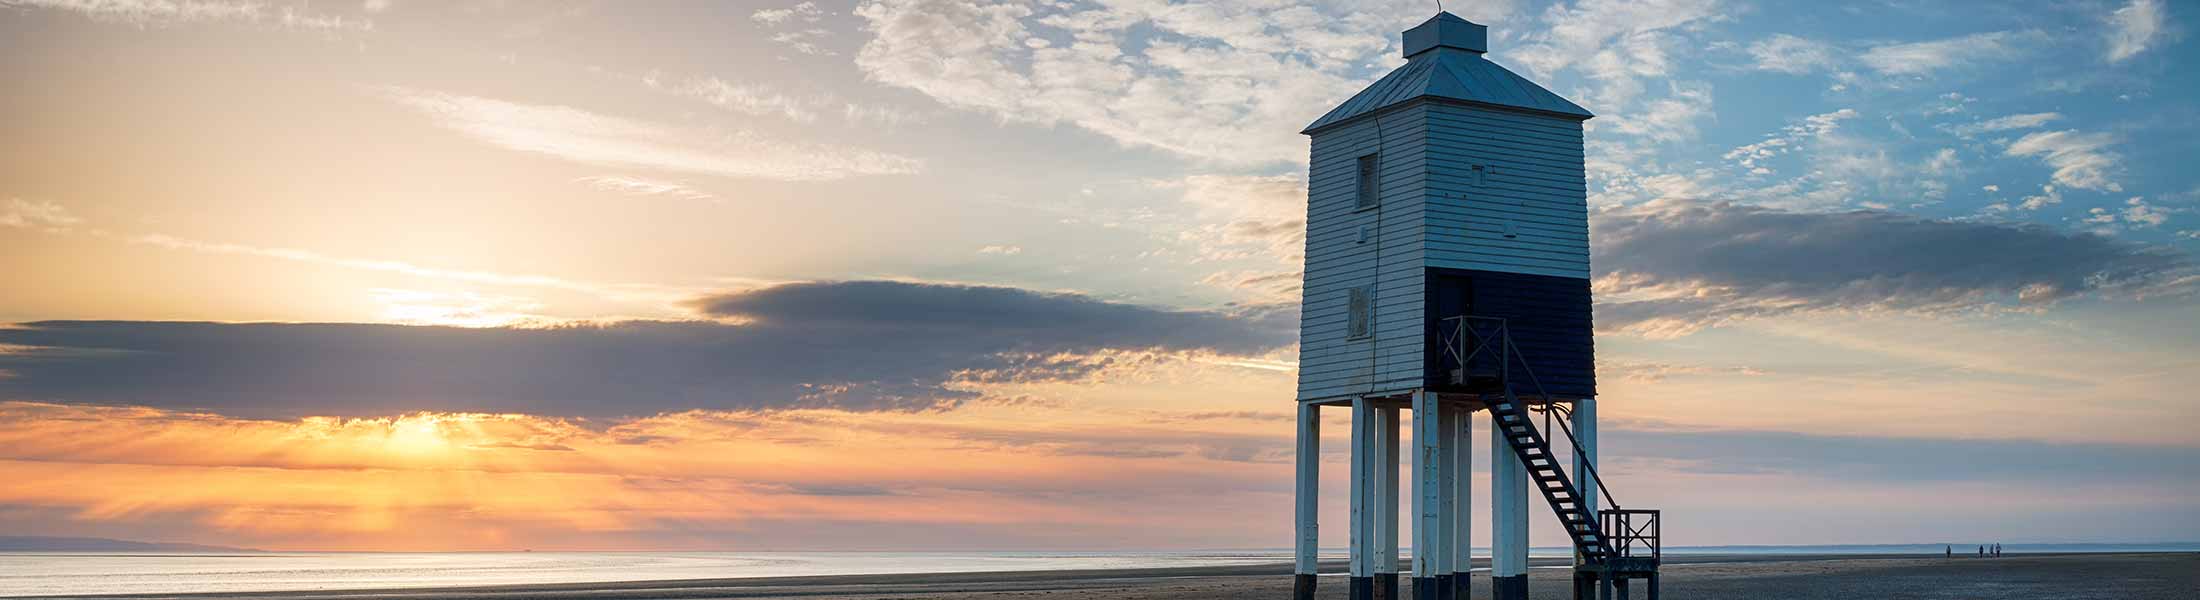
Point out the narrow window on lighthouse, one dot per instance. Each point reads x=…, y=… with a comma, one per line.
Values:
x=1370, y=188
x=1362, y=307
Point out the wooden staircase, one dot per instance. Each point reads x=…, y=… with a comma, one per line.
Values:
x=1527, y=442
x=1625, y=544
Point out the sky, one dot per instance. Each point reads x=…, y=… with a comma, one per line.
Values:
x=1009, y=275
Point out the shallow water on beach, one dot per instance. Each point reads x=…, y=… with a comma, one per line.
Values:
x=56, y=573
x=86, y=573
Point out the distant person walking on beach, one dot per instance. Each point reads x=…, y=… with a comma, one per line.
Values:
x=1982, y=551
x=1950, y=550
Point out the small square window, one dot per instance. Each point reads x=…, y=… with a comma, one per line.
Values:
x=1362, y=309
x=1370, y=189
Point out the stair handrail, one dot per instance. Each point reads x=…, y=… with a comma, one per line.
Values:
x=1507, y=355
x=1587, y=462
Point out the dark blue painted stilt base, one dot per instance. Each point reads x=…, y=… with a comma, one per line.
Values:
x=1424, y=588
x=1509, y=588
x=1302, y=587
x=1386, y=586
x=1443, y=587
x=1362, y=588
x=1462, y=587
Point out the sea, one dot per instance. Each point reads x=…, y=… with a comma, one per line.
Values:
x=30, y=574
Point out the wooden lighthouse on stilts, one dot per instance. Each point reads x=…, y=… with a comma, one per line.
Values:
x=1447, y=274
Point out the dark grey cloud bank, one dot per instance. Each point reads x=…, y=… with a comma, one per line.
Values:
x=868, y=345
x=1902, y=459
x=1729, y=261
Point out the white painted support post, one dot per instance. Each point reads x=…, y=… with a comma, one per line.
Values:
x=1508, y=521
x=1462, y=482
x=1308, y=541
x=1429, y=484
x=1386, y=562
x=1363, y=502
x=1585, y=433
x=1447, y=500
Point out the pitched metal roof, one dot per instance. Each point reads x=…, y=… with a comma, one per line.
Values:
x=1444, y=60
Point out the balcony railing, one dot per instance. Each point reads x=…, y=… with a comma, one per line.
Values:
x=1633, y=533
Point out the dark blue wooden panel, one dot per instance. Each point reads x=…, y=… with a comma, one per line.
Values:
x=1549, y=318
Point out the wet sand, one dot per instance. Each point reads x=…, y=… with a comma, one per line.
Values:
x=2143, y=576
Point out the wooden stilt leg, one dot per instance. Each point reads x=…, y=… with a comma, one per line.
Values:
x=1306, y=558
x=1361, y=586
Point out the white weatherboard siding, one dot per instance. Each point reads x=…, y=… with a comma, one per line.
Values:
x=1532, y=179
x=1434, y=213
x=1332, y=365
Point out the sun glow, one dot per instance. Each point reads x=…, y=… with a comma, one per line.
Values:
x=417, y=434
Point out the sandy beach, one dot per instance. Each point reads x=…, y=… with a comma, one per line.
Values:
x=2138, y=576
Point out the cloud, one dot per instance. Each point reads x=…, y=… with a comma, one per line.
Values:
x=463, y=309
x=807, y=12
x=2081, y=160
x=1224, y=82
x=1245, y=216
x=1655, y=372
x=1585, y=32
x=1790, y=138
x=1001, y=250
x=1230, y=82
x=1250, y=229
x=804, y=41
x=36, y=214
x=749, y=478
x=1857, y=458
x=1670, y=118
x=1010, y=318
x=1620, y=45
x=638, y=186
x=746, y=99
x=2137, y=213
x=412, y=306
x=2048, y=195
x=1672, y=268
x=864, y=345
x=801, y=39
x=585, y=137
x=1924, y=58
x=2134, y=28
x=169, y=13
x=1838, y=169
x=762, y=101
x=695, y=480
x=1783, y=53
x=2006, y=123
x=628, y=291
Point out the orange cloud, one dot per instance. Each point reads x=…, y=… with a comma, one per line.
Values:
x=448, y=481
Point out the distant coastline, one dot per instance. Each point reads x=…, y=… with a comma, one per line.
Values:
x=33, y=543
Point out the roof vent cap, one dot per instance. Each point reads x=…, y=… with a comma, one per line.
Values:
x=1447, y=30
